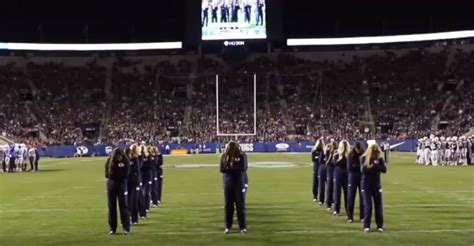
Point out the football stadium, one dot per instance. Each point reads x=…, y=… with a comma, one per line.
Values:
x=236, y=122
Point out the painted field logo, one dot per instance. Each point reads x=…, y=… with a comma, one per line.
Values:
x=282, y=147
x=273, y=164
x=259, y=164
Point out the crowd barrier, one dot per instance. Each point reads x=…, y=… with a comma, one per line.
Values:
x=208, y=148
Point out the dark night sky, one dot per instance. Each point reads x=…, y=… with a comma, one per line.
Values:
x=117, y=20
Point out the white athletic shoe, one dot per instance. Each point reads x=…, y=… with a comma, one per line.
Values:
x=227, y=231
x=380, y=229
x=366, y=230
x=349, y=221
x=243, y=231
x=335, y=214
x=126, y=233
x=315, y=200
x=111, y=233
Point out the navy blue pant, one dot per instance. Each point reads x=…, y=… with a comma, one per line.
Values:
x=12, y=165
x=376, y=195
x=329, y=185
x=340, y=183
x=315, y=180
x=154, y=186
x=146, y=180
x=117, y=192
x=159, y=188
x=245, y=179
x=133, y=190
x=234, y=195
x=141, y=199
x=322, y=171
x=353, y=189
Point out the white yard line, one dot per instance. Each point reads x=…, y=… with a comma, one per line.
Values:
x=216, y=232
x=252, y=207
x=360, y=231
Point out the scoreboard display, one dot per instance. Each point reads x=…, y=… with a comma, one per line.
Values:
x=233, y=19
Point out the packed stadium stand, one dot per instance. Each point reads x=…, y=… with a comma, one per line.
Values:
x=393, y=93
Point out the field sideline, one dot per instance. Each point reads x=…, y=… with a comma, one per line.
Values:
x=65, y=204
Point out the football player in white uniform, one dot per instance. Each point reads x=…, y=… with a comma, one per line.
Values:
x=18, y=157
x=442, y=150
x=3, y=154
x=427, y=151
x=25, y=157
x=419, y=151
x=434, y=147
x=463, y=146
x=453, y=160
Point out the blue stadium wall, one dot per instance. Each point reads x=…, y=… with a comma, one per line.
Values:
x=268, y=147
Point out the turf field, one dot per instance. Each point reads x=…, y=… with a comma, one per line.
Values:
x=65, y=204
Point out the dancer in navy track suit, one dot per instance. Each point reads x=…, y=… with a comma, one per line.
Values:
x=160, y=175
x=157, y=173
x=154, y=177
x=116, y=174
x=146, y=177
x=322, y=174
x=330, y=174
x=133, y=183
x=354, y=188
x=246, y=176
x=139, y=152
x=340, y=176
x=233, y=165
x=315, y=158
x=372, y=165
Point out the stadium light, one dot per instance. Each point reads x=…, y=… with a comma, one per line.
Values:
x=91, y=47
x=380, y=39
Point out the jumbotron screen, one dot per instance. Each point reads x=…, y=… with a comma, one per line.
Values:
x=233, y=19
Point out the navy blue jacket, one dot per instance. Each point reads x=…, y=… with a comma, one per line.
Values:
x=371, y=176
x=240, y=165
x=146, y=166
x=134, y=173
x=353, y=165
x=315, y=158
x=159, y=164
x=340, y=163
x=118, y=172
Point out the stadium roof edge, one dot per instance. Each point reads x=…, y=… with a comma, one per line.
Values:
x=380, y=39
x=91, y=47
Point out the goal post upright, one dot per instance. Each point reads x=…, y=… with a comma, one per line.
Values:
x=217, y=104
x=255, y=104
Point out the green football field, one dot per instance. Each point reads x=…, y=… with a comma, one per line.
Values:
x=65, y=204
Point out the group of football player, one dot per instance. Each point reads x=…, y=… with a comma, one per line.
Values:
x=15, y=158
x=444, y=151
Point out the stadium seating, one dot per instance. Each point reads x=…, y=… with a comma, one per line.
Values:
x=406, y=93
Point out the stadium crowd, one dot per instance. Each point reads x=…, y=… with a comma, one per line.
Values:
x=407, y=94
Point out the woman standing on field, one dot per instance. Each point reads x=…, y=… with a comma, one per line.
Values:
x=372, y=165
x=116, y=173
x=233, y=165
